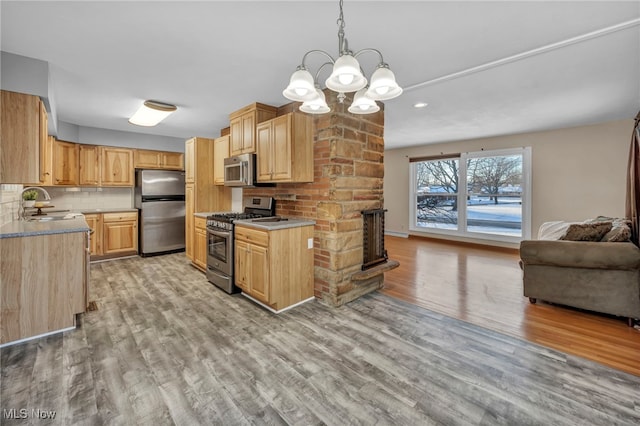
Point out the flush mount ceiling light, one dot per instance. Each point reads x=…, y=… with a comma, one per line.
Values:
x=420, y=105
x=347, y=76
x=151, y=113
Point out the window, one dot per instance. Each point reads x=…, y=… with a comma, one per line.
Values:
x=481, y=194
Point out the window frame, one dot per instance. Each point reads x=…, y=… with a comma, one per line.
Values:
x=462, y=230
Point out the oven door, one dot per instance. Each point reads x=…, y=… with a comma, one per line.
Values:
x=220, y=250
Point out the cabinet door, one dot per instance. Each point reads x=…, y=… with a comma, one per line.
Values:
x=242, y=259
x=45, y=166
x=264, y=152
x=95, y=237
x=119, y=237
x=248, y=132
x=200, y=248
x=220, y=152
x=235, y=136
x=172, y=160
x=188, y=220
x=189, y=161
x=65, y=163
x=259, y=272
x=145, y=159
x=20, y=138
x=89, y=165
x=117, y=166
x=281, y=148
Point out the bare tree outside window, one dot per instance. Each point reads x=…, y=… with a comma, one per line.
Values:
x=493, y=193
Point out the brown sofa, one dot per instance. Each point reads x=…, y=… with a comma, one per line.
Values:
x=596, y=276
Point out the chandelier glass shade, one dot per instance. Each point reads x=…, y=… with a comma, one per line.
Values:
x=346, y=77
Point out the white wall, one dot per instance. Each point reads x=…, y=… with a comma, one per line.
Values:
x=577, y=173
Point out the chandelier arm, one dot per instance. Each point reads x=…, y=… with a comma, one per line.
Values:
x=370, y=49
x=304, y=58
x=320, y=69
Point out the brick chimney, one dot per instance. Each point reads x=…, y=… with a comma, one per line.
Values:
x=348, y=178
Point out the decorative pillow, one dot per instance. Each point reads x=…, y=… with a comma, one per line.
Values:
x=620, y=232
x=587, y=231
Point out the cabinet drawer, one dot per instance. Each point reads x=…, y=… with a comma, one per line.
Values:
x=252, y=236
x=200, y=222
x=118, y=217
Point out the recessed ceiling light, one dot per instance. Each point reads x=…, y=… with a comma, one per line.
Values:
x=420, y=104
x=151, y=113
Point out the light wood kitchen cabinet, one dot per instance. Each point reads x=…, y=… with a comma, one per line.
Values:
x=117, y=166
x=90, y=165
x=147, y=159
x=201, y=194
x=285, y=149
x=242, y=124
x=66, y=163
x=189, y=225
x=120, y=233
x=44, y=284
x=275, y=267
x=21, y=141
x=200, y=243
x=220, y=152
x=95, y=234
x=189, y=160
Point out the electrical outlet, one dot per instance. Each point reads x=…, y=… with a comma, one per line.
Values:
x=310, y=243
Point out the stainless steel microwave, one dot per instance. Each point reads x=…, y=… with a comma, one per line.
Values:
x=240, y=170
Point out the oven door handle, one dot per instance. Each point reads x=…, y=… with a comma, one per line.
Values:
x=212, y=271
x=221, y=234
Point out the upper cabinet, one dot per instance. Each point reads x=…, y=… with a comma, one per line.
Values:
x=23, y=138
x=242, y=124
x=117, y=166
x=66, y=161
x=90, y=165
x=220, y=152
x=147, y=159
x=285, y=149
x=190, y=160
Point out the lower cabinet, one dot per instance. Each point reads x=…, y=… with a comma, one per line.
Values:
x=95, y=234
x=113, y=234
x=275, y=267
x=200, y=244
x=44, y=284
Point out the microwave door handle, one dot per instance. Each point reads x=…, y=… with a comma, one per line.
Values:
x=244, y=172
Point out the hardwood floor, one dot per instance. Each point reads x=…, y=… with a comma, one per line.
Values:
x=483, y=286
x=167, y=347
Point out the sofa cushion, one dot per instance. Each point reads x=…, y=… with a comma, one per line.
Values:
x=587, y=231
x=580, y=254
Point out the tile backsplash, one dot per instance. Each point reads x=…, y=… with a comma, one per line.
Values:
x=91, y=198
x=66, y=199
x=9, y=202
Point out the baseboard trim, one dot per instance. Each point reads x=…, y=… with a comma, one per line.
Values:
x=397, y=234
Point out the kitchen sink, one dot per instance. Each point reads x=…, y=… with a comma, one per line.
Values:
x=50, y=218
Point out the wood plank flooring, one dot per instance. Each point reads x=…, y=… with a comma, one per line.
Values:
x=166, y=347
x=483, y=286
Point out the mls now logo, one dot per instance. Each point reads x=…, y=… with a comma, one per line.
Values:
x=23, y=413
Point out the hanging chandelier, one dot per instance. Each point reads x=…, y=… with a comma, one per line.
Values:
x=347, y=76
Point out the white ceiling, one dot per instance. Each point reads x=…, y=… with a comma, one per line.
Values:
x=212, y=57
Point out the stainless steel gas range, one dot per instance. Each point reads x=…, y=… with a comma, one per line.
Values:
x=220, y=240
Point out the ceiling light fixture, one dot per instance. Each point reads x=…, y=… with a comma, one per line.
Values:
x=151, y=113
x=347, y=77
x=420, y=105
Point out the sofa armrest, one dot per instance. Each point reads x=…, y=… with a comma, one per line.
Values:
x=580, y=254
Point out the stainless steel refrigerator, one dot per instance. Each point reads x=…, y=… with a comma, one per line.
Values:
x=159, y=197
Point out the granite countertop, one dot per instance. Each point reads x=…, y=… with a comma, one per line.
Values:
x=203, y=214
x=25, y=228
x=265, y=224
x=93, y=211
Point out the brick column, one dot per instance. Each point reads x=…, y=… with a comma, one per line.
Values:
x=348, y=178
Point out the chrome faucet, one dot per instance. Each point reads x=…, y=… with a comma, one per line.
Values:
x=22, y=212
x=44, y=191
